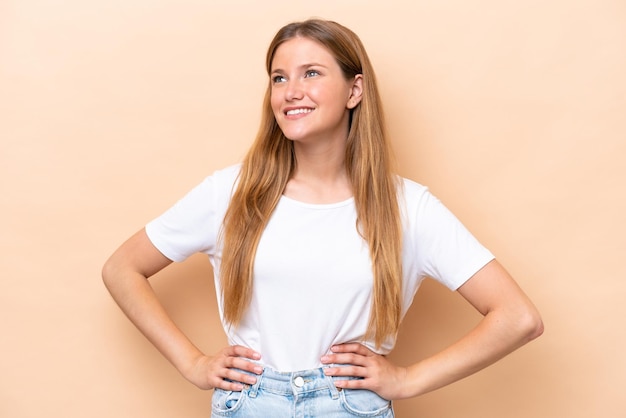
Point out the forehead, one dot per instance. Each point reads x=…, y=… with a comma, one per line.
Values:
x=301, y=51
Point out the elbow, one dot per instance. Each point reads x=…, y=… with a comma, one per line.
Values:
x=538, y=328
x=531, y=325
x=108, y=275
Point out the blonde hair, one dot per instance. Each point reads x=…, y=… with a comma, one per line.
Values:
x=270, y=163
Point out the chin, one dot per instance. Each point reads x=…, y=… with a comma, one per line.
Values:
x=294, y=136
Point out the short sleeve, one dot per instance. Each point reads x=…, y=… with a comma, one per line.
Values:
x=445, y=249
x=192, y=224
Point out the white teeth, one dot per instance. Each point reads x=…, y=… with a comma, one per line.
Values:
x=298, y=111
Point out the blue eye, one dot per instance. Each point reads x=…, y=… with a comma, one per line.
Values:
x=311, y=73
x=278, y=79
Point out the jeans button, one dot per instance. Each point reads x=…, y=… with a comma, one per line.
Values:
x=298, y=381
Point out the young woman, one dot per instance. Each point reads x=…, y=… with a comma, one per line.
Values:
x=318, y=249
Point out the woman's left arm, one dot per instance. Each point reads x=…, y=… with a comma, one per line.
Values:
x=509, y=321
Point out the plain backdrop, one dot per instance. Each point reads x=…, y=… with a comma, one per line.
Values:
x=512, y=112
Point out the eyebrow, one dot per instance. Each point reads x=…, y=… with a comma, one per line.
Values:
x=312, y=64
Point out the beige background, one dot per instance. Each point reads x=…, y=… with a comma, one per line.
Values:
x=512, y=112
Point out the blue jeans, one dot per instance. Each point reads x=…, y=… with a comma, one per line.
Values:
x=304, y=394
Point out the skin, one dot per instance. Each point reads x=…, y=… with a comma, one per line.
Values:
x=509, y=321
x=125, y=275
x=306, y=76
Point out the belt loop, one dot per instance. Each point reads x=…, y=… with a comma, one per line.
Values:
x=255, y=388
x=334, y=393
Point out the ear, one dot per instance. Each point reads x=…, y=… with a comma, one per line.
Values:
x=356, y=92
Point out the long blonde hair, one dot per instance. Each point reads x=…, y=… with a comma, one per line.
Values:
x=270, y=163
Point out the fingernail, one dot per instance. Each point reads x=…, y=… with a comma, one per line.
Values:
x=258, y=370
x=324, y=359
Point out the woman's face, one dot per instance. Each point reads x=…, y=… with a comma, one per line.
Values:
x=310, y=96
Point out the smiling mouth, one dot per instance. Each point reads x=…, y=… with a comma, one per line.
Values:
x=299, y=111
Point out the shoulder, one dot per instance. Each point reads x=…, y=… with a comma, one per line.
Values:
x=411, y=193
x=222, y=181
x=227, y=174
x=419, y=206
x=411, y=185
x=211, y=193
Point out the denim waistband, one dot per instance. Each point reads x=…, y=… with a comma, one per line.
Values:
x=293, y=383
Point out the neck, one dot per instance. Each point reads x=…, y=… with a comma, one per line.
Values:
x=320, y=175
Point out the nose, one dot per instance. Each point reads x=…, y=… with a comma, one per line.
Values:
x=293, y=90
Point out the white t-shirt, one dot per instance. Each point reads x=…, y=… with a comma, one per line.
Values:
x=312, y=285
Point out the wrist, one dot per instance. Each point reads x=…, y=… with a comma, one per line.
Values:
x=416, y=381
x=188, y=362
x=191, y=369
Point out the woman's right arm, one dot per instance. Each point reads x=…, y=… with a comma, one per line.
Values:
x=125, y=275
